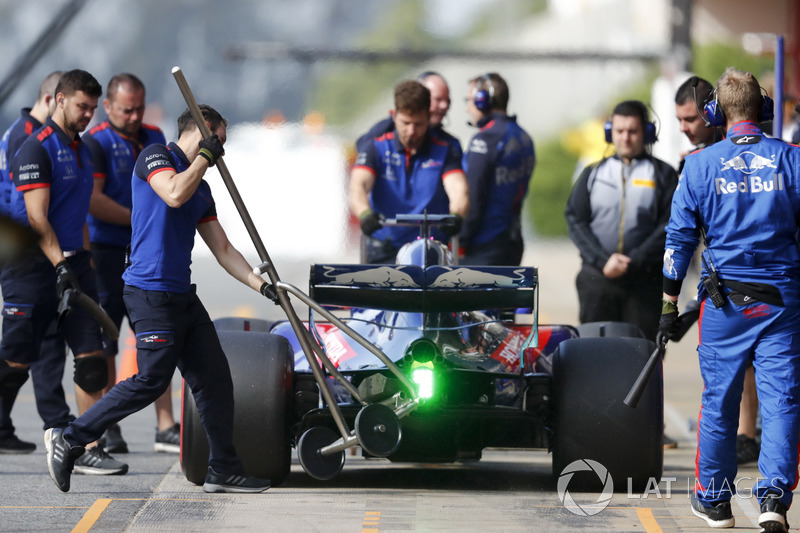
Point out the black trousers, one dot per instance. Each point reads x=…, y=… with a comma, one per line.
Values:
x=631, y=298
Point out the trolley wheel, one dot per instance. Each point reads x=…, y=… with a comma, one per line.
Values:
x=378, y=430
x=316, y=465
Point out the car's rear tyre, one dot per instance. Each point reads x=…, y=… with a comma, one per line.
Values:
x=237, y=323
x=591, y=377
x=609, y=329
x=262, y=370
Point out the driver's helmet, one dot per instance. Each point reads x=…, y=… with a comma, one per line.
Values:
x=414, y=253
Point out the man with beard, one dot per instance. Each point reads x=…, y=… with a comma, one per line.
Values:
x=410, y=170
x=54, y=174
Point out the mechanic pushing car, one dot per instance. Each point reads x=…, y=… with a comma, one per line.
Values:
x=743, y=195
x=410, y=170
x=170, y=202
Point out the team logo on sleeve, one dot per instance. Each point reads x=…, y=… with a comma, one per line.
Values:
x=669, y=262
x=478, y=146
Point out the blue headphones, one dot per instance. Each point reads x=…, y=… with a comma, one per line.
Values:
x=714, y=117
x=484, y=94
x=650, y=134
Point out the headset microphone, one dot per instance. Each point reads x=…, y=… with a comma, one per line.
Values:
x=695, y=81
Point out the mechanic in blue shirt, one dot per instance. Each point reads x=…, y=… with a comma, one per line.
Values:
x=616, y=216
x=440, y=105
x=498, y=164
x=53, y=171
x=48, y=371
x=410, y=170
x=171, y=202
x=115, y=144
x=742, y=195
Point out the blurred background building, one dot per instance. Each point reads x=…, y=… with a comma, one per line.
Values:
x=299, y=81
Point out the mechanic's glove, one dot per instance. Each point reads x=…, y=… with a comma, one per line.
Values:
x=65, y=279
x=669, y=323
x=453, y=227
x=371, y=221
x=211, y=149
x=269, y=291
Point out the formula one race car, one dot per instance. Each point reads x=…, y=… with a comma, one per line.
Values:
x=418, y=362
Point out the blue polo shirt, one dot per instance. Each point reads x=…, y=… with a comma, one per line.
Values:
x=163, y=237
x=406, y=184
x=114, y=155
x=498, y=163
x=49, y=158
x=12, y=139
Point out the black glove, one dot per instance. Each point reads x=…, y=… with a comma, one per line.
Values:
x=211, y=149
x=371, y=221
x=669, y=323
x=269, y=291
x=453, y=226
x=65, y=279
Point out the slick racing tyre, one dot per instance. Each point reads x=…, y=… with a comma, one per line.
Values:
x=609, y=329
x=591, y=377
x=236, y=323
x=262, y=368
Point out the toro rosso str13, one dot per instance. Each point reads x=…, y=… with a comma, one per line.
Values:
x=417, y=362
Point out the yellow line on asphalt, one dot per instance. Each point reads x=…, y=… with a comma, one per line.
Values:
x=372, y=519
x=91, y=516
x=647, y=519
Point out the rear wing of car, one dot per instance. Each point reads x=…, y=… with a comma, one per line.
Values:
x=424, y=290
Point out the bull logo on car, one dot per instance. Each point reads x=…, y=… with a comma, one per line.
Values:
x=372, y=277
x=747, y=162
x=466, y=277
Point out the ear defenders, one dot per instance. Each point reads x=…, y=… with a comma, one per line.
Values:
x=714, y=117
x=483, y=97
x=650, y=135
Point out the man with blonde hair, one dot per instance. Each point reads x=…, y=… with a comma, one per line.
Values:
x=743, y=196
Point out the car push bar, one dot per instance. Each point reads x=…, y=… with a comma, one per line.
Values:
x=377, y=426
x=687, y=319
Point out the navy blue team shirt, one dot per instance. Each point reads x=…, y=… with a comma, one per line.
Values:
x=12, y=139
x=49, y=158
x=406, y=184
x=114, y=155
x=498, y=164
x=163, y=236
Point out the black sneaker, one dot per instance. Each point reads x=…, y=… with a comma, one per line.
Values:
x=12, y=445
x=670, y=443
x=114, y=441
x=718, y=516
x=97, y=462
x=747, y=449
x=233, y=483
x=60, y=457
x=773, y=515
x=169, y=440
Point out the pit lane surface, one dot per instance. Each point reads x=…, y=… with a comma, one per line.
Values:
x=506, y=491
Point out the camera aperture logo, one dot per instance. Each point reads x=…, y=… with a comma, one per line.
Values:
x=582, y=465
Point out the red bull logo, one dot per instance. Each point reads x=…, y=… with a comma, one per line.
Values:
x=747, y=162
x=753, y=184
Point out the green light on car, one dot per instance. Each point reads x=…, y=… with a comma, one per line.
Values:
x=422, y=376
